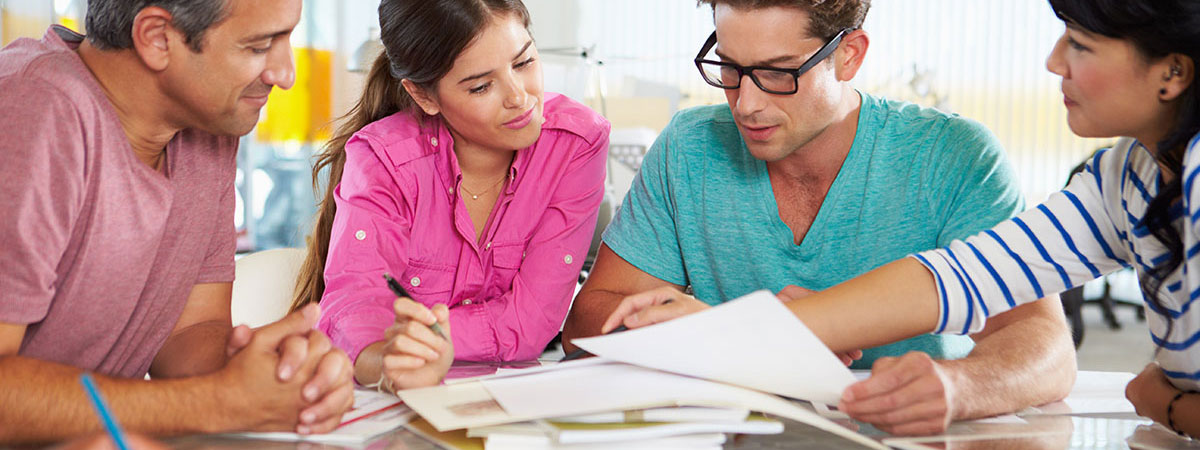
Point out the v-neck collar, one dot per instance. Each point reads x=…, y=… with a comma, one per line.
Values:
x=816, y=230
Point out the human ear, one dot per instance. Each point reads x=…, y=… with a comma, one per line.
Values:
x=850, y=54
x=152, y=34
x=1179, y=73
x=422, y=97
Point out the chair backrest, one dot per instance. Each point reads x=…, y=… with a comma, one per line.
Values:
x=626, y=147
x=264, y=284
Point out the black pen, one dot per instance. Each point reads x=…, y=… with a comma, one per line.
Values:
x=579, y=352
x=398, y=289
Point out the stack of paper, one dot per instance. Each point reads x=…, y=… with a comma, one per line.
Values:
x=741, y=354
x=708, y=441
x=562, y=433
x=373, y=414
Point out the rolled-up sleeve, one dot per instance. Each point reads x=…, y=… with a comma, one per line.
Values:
x=370, y=236
x=1064, y=242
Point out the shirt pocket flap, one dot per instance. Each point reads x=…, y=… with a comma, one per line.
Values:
x=423, y=279
x=508, y=256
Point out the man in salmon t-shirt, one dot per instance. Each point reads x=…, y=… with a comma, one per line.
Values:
x=117, y=195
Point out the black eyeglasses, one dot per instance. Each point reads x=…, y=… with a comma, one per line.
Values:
x=774, y=80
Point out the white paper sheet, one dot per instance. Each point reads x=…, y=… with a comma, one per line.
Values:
x=752, y=341
x=508, y=372
x=1158, y=437
x=617, y=387
x=1093, y=393
x=460, y=405
x=373, y=414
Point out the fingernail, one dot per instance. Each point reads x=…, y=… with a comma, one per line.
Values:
x=307, y=417
x=302, y=429
x=310, y=393
x=285, y=372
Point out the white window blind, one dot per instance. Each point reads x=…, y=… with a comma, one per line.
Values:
x=984, y=59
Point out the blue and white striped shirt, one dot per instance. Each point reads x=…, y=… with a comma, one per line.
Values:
x=1089, y=229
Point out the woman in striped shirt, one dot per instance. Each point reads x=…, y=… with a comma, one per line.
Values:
x=1128, y=69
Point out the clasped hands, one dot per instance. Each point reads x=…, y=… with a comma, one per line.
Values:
x=310, y=374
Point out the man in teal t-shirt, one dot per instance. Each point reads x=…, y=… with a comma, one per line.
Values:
x=701, y=212
x=802, y=181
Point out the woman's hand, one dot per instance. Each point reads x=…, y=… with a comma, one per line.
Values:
x=1149, y=392
x=651, y=307
x=414, y=355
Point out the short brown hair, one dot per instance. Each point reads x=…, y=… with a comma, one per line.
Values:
x=828, y=16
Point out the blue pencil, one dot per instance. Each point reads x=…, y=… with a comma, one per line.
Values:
x=110, y=423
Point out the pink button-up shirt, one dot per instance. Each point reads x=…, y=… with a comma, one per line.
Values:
x=398, y=211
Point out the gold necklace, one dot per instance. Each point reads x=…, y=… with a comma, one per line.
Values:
x=475, y=196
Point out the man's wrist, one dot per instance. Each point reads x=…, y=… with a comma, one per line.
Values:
x=219, y=404
x=959, y=388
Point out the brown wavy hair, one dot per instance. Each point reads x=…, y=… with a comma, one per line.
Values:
x=421, y=40
x=828, y=17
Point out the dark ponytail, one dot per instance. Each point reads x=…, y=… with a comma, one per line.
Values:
x=382, y=97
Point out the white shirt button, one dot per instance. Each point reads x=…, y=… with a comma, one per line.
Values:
x=451, y=191
x=415, y=281
x=360, y=235
x=466, y=302
x=488, y=245
x=433, y=141
x=567, y=259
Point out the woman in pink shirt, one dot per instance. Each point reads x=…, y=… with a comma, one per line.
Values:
x=458, y=176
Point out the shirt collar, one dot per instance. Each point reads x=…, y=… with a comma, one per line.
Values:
x=437, y=138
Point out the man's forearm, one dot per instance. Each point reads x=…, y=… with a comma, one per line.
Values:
x=198, y=350
x=588, y=313
x=1025, y=363
x=45, y=402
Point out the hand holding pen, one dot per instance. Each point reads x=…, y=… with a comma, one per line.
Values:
x=417, y=348
x=398, y=289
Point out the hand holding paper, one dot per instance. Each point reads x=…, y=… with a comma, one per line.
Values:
x=651, y=307
x=753, y=341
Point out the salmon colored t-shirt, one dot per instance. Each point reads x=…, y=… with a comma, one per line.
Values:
x=98, y=251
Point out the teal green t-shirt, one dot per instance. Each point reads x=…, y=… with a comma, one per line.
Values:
x=701, y=211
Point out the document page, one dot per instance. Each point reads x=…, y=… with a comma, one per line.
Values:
x=752, y=341
x=619, y=387
x=1093, y=393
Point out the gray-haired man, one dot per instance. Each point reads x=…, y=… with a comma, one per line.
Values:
x=117, y=188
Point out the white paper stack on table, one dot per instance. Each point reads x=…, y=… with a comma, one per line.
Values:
x=743, y=354
x=373, y=414
x=680, y=427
